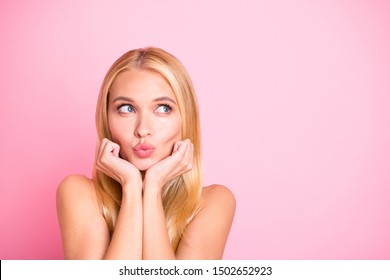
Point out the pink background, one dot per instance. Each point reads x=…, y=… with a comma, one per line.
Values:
x=294, y=99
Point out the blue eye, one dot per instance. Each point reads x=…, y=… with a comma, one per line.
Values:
x=163, y=108
x=126, y=108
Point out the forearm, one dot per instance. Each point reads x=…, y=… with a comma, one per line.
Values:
x=126, y=242
x=156, y=243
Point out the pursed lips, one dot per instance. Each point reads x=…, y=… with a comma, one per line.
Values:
x=144, y=150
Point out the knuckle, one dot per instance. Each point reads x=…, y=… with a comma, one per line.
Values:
x=103, y=160
x=181, y=165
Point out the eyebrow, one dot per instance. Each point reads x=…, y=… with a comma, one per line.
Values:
x=165, y=98
x=123, y=98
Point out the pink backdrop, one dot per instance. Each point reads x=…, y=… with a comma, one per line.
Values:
x=294, y=104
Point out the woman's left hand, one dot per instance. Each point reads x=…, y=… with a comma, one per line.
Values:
x=180, y=162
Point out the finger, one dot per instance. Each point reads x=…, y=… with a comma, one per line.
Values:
x=110, y=147
x=180, y=144
x=189, y=153
x=113, y=148
x=183, y=144
x=99, y=150
x=107, y=150
x=175, y=147
x=180, y=153
x=183, y=156
x=103, y=144
x=109, y=162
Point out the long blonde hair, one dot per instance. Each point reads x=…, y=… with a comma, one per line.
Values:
x=181, y=195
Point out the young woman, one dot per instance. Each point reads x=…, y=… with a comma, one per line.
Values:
x=146, y=199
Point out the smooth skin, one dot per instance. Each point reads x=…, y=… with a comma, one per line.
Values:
x=142, y=110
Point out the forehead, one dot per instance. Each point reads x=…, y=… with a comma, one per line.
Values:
x=140, y=84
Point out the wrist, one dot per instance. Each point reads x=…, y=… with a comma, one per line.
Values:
x=152, y=187
x=133, y=186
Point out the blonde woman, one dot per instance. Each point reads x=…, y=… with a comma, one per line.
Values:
x=146, y=199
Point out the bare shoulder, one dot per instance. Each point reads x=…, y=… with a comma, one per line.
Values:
x=216, y=213
x=217, y=201
x=83, y=229
x=75, y=183
x=218, y=196
x=76, y=191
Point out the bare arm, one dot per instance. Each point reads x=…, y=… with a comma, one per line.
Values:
x=156, y=243
x=126, y=242
x=205, y=237
x=84, y=231
x=140, y=231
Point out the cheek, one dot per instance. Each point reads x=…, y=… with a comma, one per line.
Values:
x=170, y=134
x=175, y=132
x=120, y=131
x=120, y=137
x=113, y=127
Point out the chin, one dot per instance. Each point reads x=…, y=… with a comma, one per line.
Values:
x=143, y=165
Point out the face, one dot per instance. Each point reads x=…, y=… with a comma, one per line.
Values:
x=144, y=117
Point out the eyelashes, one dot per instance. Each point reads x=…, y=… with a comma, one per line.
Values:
x=162, y=108
x=125, y=108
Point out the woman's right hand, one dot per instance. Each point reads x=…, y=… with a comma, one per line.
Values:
x=109, y=162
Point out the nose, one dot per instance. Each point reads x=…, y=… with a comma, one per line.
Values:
x=143, y=127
